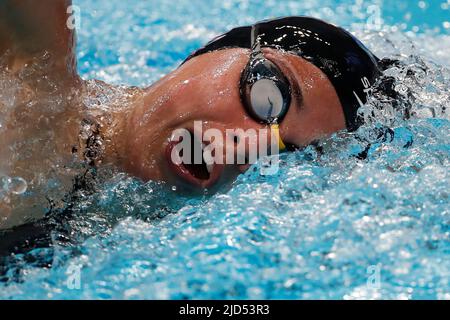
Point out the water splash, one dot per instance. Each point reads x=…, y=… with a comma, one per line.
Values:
x=14, y=185
x=372, y=201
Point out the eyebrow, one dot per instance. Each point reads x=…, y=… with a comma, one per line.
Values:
x=297, y=92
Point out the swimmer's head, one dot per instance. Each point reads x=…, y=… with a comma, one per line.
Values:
x=302, y=77
x=348, y=64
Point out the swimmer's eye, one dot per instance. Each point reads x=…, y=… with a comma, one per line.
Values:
x=265, y=91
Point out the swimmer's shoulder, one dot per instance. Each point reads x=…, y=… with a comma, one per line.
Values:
x=32, y=29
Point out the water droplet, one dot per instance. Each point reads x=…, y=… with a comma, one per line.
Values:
x=18, y=185
x=422, y=5
x=4, y=183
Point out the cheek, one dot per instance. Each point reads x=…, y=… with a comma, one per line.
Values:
x=146, y=160
x=208, y=82
x=209, y=99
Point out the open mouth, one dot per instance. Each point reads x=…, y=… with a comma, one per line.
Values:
x=202, y=173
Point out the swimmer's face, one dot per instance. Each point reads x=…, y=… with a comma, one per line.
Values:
x=206, y=88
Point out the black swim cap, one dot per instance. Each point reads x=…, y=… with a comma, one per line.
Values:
x=348, y=64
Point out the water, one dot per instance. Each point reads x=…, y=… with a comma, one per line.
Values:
x=329, y=225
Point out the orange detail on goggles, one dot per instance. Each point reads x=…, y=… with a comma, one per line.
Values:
x=275, y=128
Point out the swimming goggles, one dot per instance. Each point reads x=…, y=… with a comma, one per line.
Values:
x=265, y=91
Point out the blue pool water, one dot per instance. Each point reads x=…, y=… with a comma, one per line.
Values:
x=326, y=226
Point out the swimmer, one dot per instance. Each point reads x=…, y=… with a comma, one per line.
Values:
x=299, y=77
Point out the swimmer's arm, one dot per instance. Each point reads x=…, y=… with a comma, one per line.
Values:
x=29, y=28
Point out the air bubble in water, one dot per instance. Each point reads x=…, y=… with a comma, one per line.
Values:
x=4, y=183
x=18, y=185
x=14, y=185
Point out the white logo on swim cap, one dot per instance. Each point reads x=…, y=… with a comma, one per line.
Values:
x=366, y=84
x=359, y=100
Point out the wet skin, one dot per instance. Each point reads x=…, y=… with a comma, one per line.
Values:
x=137, y=134
x=206, y=88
